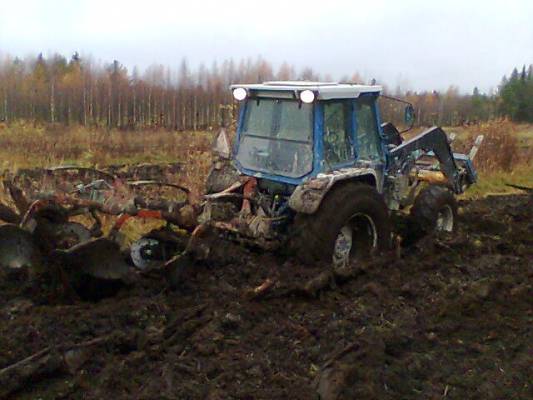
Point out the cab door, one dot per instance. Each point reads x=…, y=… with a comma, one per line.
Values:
x=338, y=134
x=367, y=134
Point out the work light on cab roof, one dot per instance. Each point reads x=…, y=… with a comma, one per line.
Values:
x=239, y=93
x=306, y=91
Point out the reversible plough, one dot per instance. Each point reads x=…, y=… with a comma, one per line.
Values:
x=58, y=229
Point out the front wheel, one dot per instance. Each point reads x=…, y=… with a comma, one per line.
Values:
x=352, y=223
x=434, y=210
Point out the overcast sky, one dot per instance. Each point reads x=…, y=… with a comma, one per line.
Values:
x=416, y=44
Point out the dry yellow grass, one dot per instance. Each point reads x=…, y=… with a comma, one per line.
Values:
x=23, y=145
x=506, y=156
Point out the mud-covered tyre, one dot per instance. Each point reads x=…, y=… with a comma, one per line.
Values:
x=434, y=209
x=352, y=206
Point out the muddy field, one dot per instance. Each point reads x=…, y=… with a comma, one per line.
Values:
x=448, y=318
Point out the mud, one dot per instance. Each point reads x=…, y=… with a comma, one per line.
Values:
x=449, y=318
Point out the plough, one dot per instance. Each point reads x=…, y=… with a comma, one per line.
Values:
x=42, y=234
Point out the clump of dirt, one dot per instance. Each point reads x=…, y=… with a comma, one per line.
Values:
x=451, y=317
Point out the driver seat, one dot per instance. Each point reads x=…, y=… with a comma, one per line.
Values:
x=391, y=133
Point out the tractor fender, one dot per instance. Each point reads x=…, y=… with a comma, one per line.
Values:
x=307, y=196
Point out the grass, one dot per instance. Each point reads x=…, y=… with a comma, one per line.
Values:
x=26, y=146
x=23, y=145
x=506, y=156
x=522, y=130
x=496, y=182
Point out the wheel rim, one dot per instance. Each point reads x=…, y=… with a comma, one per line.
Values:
x=146, y=253
x=445, y=220
x=356, y=239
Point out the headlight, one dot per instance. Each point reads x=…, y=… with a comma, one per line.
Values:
x=239, y=93
x=307, y=96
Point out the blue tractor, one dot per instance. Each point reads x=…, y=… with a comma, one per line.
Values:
x=314, y=169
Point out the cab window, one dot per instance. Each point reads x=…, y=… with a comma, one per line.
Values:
x=338, y=146
x=367, y=132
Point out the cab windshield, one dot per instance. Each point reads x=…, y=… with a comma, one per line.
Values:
x=276, y=137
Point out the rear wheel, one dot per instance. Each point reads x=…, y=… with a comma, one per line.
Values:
x=156, y=248
x=352, y=223
x=147, y=253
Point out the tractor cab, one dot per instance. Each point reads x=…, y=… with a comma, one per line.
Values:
x=293, y=131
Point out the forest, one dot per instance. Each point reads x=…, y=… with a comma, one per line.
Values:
x=80, y=91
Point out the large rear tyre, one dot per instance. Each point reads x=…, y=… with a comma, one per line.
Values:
x=352, y=223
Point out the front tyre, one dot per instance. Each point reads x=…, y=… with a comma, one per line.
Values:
x=434, y=210
x=352, y=223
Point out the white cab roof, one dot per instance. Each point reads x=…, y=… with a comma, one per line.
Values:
x=324, y=90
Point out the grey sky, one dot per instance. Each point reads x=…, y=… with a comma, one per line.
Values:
x=416, y=44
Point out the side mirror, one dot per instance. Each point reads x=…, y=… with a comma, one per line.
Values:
x=221, y=147
x=409, y=114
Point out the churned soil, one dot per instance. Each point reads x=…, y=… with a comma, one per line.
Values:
x=450, y=317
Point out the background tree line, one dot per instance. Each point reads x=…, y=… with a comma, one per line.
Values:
x=80, y=91
x=517, y=95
